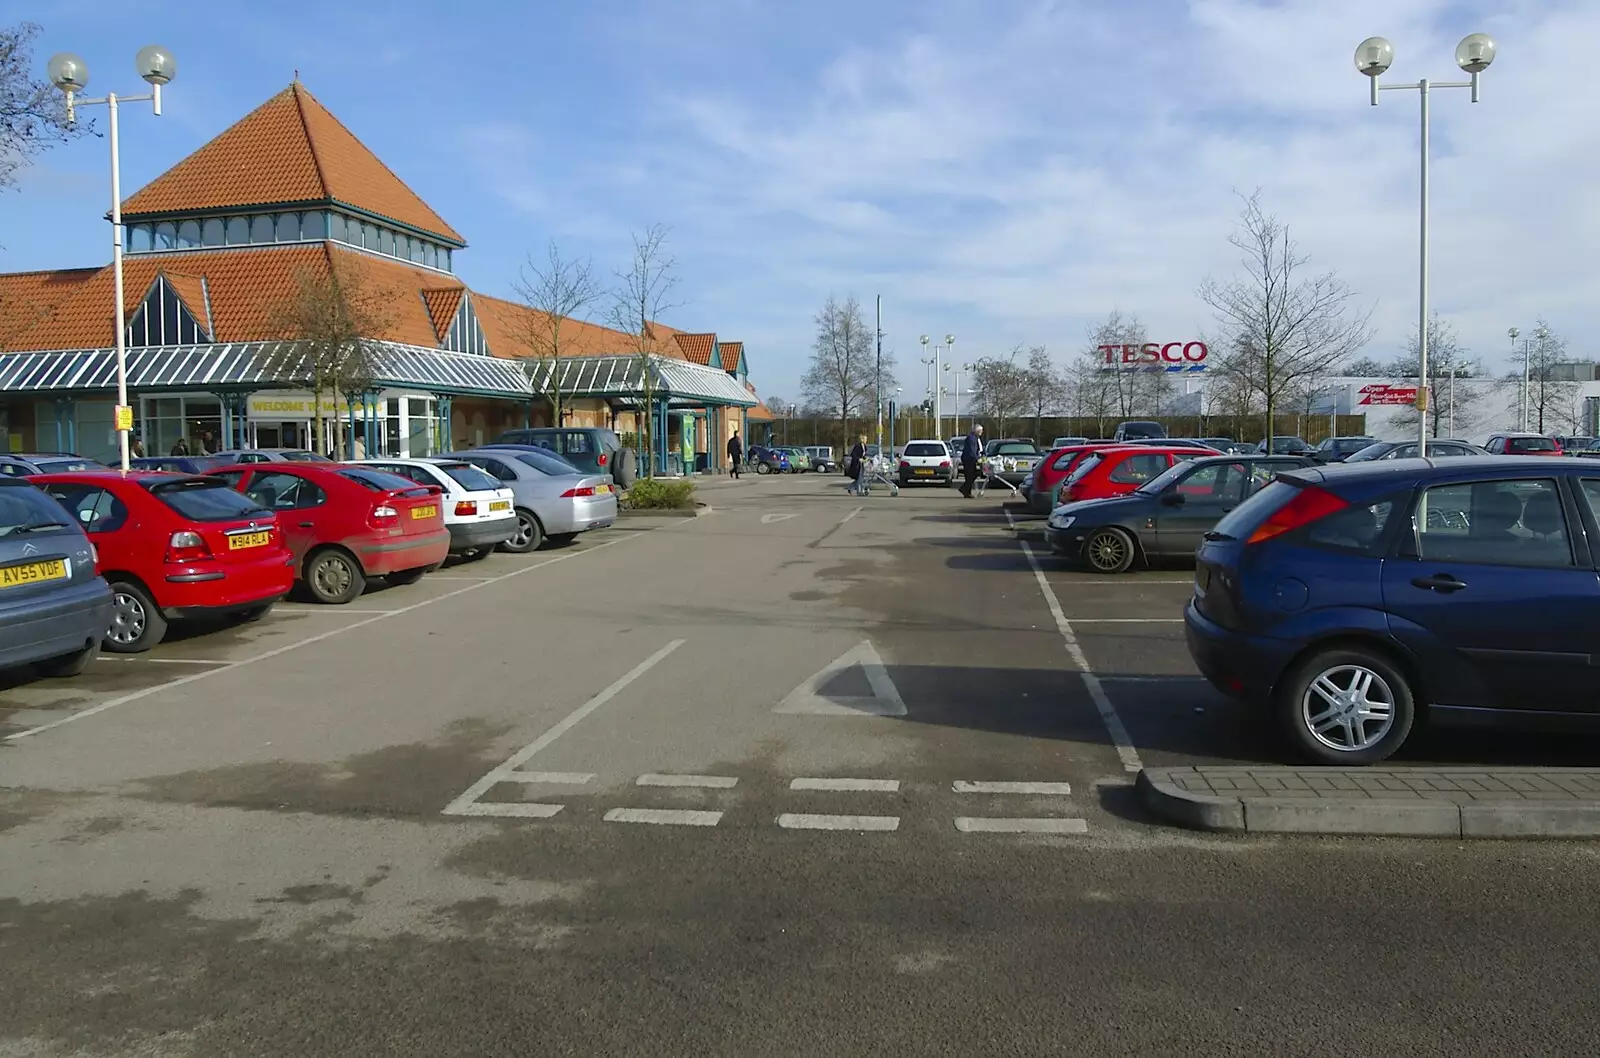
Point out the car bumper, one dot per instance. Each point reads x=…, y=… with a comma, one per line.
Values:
x=1064, y=541
x=1240, y=665
x=582, y=514
x=392, y=554
x=48, y=626
x=940, y=475
x=1039, y=502
x=197, y=590
x=469, y=536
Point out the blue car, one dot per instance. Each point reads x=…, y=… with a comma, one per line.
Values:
x=1356, y=600
x=54, y=605
x=180, y=464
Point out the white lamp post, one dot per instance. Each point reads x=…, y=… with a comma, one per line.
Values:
x=70, y=73
x=1373, y=57
x=1540, y=332
x=1512, y=334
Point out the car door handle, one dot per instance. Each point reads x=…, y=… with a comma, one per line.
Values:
x=305, y=525
x=1444, y=582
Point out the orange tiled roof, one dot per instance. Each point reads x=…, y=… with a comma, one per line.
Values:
x=192, y=292
x=289, y=149
x=732, y=353
x=27, y=296
x=697, y=347
x=760, y=413
x=443, y=302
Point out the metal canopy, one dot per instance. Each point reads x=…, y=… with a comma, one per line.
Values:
x=280, y=365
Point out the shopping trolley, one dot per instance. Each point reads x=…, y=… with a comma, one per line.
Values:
x=876, y=470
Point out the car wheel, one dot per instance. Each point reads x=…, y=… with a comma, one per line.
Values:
x=477, y=554
x=1349, y=705
x=254, y=613
x=529, y=535
x=71, y=664
x=136, y=623
x=407, y=576
x=334, y=577
x=762, y=468
x=1108, y=550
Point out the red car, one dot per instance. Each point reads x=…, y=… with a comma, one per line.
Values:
x=347, y=523
x=174, y=546
x=1057, y=465
x=1121, y=469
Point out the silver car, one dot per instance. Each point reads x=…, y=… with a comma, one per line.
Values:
x=54, y=607
x=555, y=500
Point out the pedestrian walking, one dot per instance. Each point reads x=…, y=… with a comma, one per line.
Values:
x=735, y=455
x=855, y=463
x=971, y=453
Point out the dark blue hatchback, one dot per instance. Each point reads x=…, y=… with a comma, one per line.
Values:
x=1354, y=599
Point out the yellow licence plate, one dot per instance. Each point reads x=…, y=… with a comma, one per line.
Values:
x=923, y=472
x=424, y=512
x=499, y=505
x=33, y=573
x=244, y=540
x=601, y=489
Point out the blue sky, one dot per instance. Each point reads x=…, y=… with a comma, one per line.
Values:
x=1006, y=170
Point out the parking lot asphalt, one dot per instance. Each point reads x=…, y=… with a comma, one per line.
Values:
x=807, y=774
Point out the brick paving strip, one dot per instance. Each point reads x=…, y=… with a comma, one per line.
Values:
x=1443, y=802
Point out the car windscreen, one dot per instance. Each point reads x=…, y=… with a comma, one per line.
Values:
x=1530, y=444
x=1371, y=452
x=1167, y=477
x=1351, y=444
x=24, y=509
x=304, y=457
x=928, y=448
x=547, y=462
x=1012, y=448
x=205, y=499
x=469, y=477
x=67, y=466
x=381, y=480
x=1082, y=470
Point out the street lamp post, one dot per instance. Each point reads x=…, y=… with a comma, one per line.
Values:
x=1540, y=332
x=1512, y=334
x=1373, y=57
x=949, y=344
x=70, y=73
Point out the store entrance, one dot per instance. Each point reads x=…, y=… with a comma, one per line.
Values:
x=288, y=434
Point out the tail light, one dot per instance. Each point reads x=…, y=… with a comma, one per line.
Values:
x=904, y=465
x=383, y=512
x=586, y=490
x=466, y=507
x=603, y=458
x=944, y=465
x=1558, y=447
x=1306, y=507
x=94, y=558
x=186, y=546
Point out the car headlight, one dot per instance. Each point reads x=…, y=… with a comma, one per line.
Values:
x=1061, y=521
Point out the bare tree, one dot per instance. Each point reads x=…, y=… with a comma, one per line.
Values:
x=843, y=373
x=337, y=317
x=1281, y=327
x=33, y=113
x=1046, y=387
x=1229, y=395
x=1002, y=390
x=1091, y=389
x=1551, y=394
x=555, y=292
x=1447, y=403
x=641, y=297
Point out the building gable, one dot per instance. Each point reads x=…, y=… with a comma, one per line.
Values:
x=167, y=317
x=466, y=334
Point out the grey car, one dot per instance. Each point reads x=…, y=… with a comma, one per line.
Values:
x=268, y=455
x=54, y=607
x=555, y=501
x=24, y=463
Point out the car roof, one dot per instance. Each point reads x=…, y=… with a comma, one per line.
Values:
x=1418, y=469
x=106, y=477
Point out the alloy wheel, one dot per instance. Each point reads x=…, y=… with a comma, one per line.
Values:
x=1109, y=551
x=129, y=619
x=1348, y=708
x=332, y=576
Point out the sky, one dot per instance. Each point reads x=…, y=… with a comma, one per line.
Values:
x=1007, y=171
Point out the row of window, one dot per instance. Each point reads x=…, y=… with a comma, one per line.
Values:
x=263, y=228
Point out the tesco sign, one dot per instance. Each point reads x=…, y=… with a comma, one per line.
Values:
x=1157, y=356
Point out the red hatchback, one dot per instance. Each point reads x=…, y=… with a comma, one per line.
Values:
x=1120, y=470
x=174, y=546
x=347, y=523
x=1057, y=465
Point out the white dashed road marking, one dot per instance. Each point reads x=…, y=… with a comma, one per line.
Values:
x=801, y=821
x=983, y=825
x=1060, y=789
x=511, y=810
x=680, y=817
x=713, y=782
x=556, y=778
x=868, y=785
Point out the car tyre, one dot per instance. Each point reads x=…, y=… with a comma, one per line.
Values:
x=136, y=621
x=529, y=536
x=333, y=576
x=477, y=554
x=1109, y=550
x=71, y=664
x=254, y=613
x=762, y=468
x=407, y=576
x=1349, y=705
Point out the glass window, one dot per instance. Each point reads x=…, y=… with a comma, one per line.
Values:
x=279, y=491
x=369, y=235
x=288, y=227
x=386, y=241
x=928, y=449
x=430, y=255
x=189, y=233
x=314, y=225
x=336, y=227
x=261, y=229
x=166, y=236
x=417, y=250
x=1351, y=531
x=1530, y=444
x=25, y=505
x=96, y=509
x=446, y=260
x=376, y=480
x=139, y=238
x=547, y=462
x=1518, y=522
x=470, y=477
x=231, y=477
x=211, y=232
x=495, y=467
x=204, y=499
x=1136, y=469
x=238, y=231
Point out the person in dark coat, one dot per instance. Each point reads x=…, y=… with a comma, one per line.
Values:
x=181, y=448
x=856, y=463
x=971, y=453
x=735, y=454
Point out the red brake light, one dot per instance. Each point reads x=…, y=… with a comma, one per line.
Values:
x=944, y=464
x=186, y=546
x=904, y=465
x=466, y=507
x=587, y=490
x=603, y=458
x=1558, y=447
x=383, y=512
x=1306, y=507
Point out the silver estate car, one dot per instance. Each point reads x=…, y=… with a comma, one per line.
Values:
x=555, y=500
x=54, y=607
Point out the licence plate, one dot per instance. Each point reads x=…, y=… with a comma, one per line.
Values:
x=600, y=490
x=924, y=472
x=244, y=540
x=429, y=511
x=33, y=573
x=499, y=505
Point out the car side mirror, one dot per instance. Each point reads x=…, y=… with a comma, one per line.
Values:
x=1173, y=498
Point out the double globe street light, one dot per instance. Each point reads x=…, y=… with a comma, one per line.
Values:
x=70, y=73
x=1374, y=56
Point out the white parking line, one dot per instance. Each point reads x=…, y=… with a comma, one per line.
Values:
x=454, y=576
x=461, y=805
x=868, y=785
x=680, y=817
x=267, y=655
x=802, y=821
x=989, y=825
x=166, y=661
x=1102, y=702
x=1057, y=789
x=1129, y=620
x=511, y=809
x=715, y=782
x=329, y=610
x=851, y=515
x=558, y=778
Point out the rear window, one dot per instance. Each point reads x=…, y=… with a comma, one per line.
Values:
x=1244, y=519
x=205, y=500
x=377, y=480
x=547, y=463
x=23, y=505
x=928, y=449
x=1139, y=468
x=1013, y=448
x=1082, y=470
x=470, y=477
x=1530, y=444
x=67, y=466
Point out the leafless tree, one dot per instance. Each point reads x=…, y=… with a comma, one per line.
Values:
x=1552, y=395
x=555, y=292
x=1002, y=390
x=337, y=318
x=1281, y=326
x=843, y=373
x=1046, y=386
x=1446, y=402
x=641, y=297
x=33, y=113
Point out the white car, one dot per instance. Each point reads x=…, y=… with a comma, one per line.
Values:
x=478, y=511
x=926, y=461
